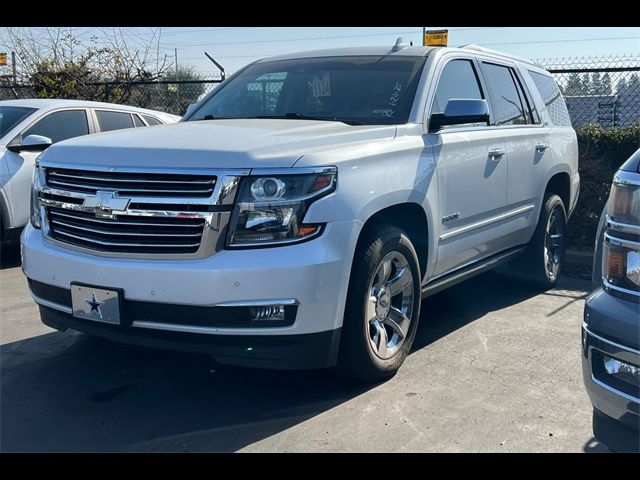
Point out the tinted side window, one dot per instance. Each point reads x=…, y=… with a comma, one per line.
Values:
x=59, y=126
x=526, y=102
x=552, y=98
x=113, y=120
x=458, y=80
x=137, y=121
x=152, y=120
x=507, y=105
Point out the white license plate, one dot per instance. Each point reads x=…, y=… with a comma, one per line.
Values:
x=98, y=304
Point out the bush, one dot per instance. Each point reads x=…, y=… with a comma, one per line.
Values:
x=601, y=152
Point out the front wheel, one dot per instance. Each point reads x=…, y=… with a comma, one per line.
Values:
x=383, y=305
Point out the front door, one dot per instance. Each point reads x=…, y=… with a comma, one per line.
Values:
x=472, y=175
x=57, y=126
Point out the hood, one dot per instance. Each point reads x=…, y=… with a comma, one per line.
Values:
x=633, y=163
x=241, y=143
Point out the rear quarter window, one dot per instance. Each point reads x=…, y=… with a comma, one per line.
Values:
x=152, y=120
x=552, y=98
x=110, y=120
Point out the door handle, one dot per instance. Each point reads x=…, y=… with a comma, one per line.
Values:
x=541, y=147
x=496, y=154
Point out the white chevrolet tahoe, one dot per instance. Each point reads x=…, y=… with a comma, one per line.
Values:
x=296, y=217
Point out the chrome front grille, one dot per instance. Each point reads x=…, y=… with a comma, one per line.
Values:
x=131, y=183
x=137, y=213
x=126, y=234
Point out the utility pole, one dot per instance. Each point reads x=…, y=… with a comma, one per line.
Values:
x=13, y=66
x=424, y=34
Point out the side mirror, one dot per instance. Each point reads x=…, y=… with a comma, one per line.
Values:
x=30, y=143
x=460, y=111
x=190, y=109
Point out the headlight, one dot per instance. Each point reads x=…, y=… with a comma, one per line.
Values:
x=621, y=252
x=270, y=209
x=624, y=203
x=36, y=184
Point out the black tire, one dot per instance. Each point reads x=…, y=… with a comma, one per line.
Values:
x=357, y=357
x=544, y=256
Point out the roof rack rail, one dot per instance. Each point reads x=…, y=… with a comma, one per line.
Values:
x=496, y=52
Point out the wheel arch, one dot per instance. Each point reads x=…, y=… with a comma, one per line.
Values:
x=560, y=183
x=5, y=216
x=410, y=217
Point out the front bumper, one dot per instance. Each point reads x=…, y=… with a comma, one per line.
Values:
x=611, y=330
x=315, y=274
x=291, y=352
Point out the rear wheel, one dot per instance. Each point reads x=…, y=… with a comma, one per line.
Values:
x=545, y=253
x=383, y=305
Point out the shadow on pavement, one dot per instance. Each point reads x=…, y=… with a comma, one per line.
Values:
x=9, y=256
x=70, y=392
x=462, y=304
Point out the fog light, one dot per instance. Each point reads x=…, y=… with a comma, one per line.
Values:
x=267, y=312
x=624, y=371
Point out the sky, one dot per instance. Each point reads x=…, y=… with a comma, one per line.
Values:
x=234, y=47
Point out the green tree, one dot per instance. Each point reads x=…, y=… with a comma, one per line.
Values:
x=606, y=84
x=574, y=85
x=59, y=64
x=621, y=86
x=600, y=84
x=633, y=86
x=184, y=94
x=586, y=84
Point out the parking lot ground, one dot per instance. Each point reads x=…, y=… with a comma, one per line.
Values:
x=495, y=368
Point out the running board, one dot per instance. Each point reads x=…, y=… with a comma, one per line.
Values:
x=472, y=270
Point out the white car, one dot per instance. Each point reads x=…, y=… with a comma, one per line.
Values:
x=29, y=126
x=296, y=217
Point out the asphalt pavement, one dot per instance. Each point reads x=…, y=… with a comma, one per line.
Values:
x=495, y=368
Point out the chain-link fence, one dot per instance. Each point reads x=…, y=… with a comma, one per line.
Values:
x=599, y=90
x=170, y=96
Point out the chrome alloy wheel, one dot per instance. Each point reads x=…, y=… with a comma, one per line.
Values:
x=389, y=307
x=554, y=243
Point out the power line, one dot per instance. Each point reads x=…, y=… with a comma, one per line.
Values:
x=303, y=39
x=296, y=39
x=562, y=41
x=481, y=44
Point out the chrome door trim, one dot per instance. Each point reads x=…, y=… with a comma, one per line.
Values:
x=487, y=221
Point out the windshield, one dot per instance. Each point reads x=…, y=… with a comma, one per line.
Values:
x=11, y=116
x=367, y=90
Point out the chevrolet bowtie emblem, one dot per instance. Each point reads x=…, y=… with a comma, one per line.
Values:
x=105, y=203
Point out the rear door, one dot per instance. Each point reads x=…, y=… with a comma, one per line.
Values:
x=471, y=170
x=527, y=147
x=59, y=125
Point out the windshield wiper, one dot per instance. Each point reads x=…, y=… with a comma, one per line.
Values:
x=300, y=116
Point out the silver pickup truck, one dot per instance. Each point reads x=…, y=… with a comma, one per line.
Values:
x=611, y=328
x=296, y=217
